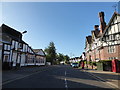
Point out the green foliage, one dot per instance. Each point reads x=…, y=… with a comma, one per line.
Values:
x=53, y=57
x=92, y=63
x=89, y=62
x=60, y=57
x=104, y=61
x=66, y=58
x=51, y=53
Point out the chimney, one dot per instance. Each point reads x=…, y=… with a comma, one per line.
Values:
x=96, y=27
x=102, y=22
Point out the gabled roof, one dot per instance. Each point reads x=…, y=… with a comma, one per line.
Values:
x=12, y=33
x=38, y=50
x=89, y=39
x=114, y=14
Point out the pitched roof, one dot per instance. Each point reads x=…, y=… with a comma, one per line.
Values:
x=14, y=34
x=114, y=14
x=38, y=50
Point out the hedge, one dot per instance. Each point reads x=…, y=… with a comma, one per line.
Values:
x=92, y=63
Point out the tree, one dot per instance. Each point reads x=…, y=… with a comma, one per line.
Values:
x=51, y=53
x=66, y=58
x=60, y=57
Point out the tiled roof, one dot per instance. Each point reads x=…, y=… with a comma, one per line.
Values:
x=36, y=50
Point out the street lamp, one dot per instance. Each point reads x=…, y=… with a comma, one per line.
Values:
x=23, y=32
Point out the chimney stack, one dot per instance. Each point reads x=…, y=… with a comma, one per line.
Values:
x=102, y=22
x=96, y=27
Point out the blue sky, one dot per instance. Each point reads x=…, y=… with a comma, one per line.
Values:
x=65, y=23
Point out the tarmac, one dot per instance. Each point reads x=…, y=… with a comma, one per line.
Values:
x=8, y=75
x=110, y=78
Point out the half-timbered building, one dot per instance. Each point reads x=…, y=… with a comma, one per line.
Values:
x=111, y=39
x=11, y=47
x=40, y=57
x=104, y=44
x=88, y=47
x=15, y=52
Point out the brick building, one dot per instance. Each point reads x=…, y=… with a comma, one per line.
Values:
x=104, y=42
x=111, y=39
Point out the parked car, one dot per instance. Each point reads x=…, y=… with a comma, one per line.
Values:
x=75, y=65
x=70, y=64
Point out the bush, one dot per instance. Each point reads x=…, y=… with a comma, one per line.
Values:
x=107, y=64
x=104, y=61
x=94, y=63
x=89, y=62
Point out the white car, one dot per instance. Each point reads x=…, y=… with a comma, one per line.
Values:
x=75, y=65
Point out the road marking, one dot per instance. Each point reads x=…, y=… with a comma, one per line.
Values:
x=66, y=86
x=66, y=83
x=65, y=73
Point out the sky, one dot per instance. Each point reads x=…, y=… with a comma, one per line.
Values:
x=65, y=23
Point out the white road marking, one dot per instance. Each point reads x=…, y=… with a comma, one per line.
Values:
x=65, y=73
x=66, y=86
x=66, y=83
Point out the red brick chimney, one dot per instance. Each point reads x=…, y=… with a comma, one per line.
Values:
x=102, y=22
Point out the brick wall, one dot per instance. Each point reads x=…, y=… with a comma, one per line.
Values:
x=105, y=54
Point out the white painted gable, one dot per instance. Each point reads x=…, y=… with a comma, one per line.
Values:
x=41, y=52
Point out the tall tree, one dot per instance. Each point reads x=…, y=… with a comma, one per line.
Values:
x=66, y=58
x=51, y=53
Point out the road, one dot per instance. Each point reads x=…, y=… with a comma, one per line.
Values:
x=58, y=76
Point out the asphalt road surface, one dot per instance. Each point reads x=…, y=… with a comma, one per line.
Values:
x=59, y=76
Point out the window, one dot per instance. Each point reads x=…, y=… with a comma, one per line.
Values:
x=107, y=38
x=117, y=36
x=111, y=49
x=5, y=47
x=111, y=58
x=8, y=47
x=110, y=37
x=16, y=45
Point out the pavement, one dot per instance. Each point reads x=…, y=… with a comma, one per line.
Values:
x=58, y=76
x=111, y=78
x=8, y=75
